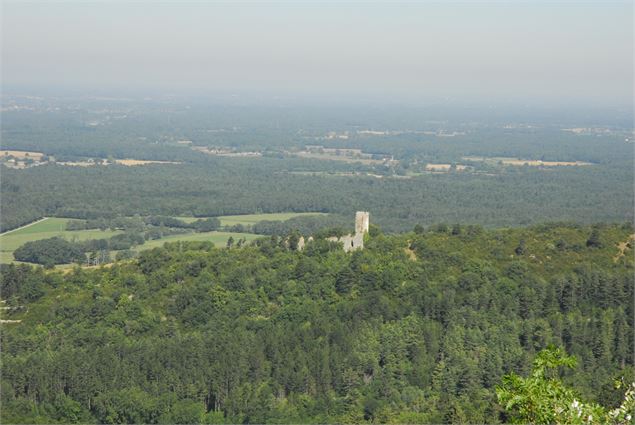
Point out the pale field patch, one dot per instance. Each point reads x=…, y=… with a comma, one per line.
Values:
x=246, y=219
x=444, y=167
x=133, y=162
x=530, y=162
x=22, y=154
x=344, y=158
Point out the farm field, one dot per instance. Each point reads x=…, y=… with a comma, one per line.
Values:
x=54, y=226
x=127, y=162
x=132, y=162
x=344, y=158
x=530, y=162
x=245, y=219
x=22, y=154
x=47, y=228
x=444, y=167
x=344, y=174
x=218, y=238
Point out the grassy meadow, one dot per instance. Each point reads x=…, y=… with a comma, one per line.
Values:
x=53, y=226
x=46, y=228
x=218, y=238
x=246, y=219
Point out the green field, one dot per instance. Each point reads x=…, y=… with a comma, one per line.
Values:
x=245, y=219
x=218, y=238
x=53, y=226
x=49, y=224
x=47, y=228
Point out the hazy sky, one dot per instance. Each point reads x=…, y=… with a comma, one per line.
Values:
x=568, y=51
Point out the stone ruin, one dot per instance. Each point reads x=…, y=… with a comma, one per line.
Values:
x=355, y=241
x=350, y=242
x=302, y=242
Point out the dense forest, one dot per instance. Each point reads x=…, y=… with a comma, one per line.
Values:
x=242, y=186
x=399, y=195
x=427, y=326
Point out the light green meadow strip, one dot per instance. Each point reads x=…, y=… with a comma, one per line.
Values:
x=245, y=219
x=217, y=238
x=47, y=228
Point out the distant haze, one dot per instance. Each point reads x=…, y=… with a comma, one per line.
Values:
x=538, y=51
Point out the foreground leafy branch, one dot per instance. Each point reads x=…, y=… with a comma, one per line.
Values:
x=543, y=398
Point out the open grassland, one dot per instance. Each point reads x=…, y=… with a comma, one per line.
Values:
x=22, y=154
x=530, y=162
x=45, y=225
x=217, y=238
x=127, y=162
x=345, y=158
x=132, y=162
x=230, y=220
x=444, y=167
x=53, y=226
x=43, y=229
x=245, y=219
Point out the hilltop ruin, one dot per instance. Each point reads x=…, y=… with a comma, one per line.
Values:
x=353, y=242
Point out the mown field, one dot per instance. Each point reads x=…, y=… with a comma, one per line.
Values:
x=47, y=228
x=53, y=226
x=218, y=238
x=246, y=219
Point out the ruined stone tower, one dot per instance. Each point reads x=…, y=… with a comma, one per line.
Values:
x=362, y=220
x=356, y=240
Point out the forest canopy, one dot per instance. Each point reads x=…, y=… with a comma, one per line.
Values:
x=418, y=327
